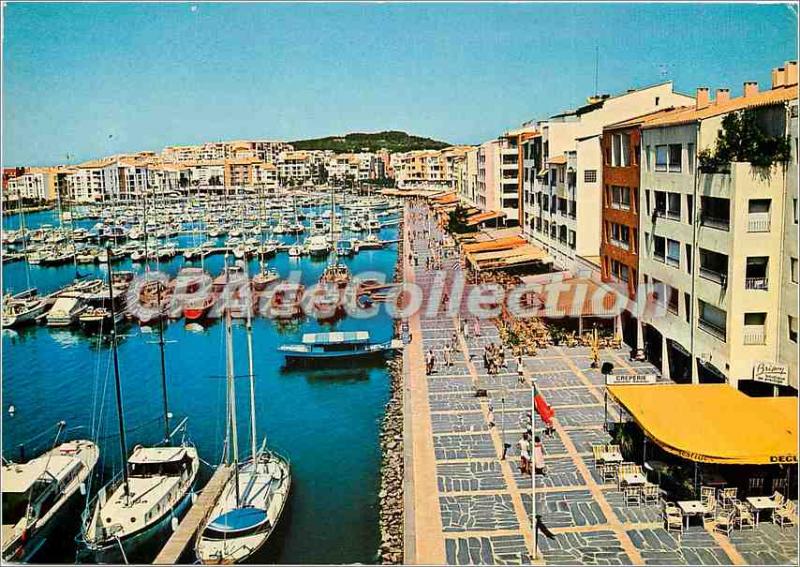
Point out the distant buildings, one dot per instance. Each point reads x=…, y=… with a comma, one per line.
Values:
x=427, y=169
x=209, y=167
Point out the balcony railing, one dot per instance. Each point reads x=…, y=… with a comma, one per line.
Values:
x=620, y=206
x=758, y=224
x=719, y=223
x=712, y=329
x=761, y=283
x=714, y=276
x=620, y=243
x=755, y=336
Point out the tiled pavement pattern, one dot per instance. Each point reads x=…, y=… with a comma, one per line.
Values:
x=486, y=503
x=483, y=517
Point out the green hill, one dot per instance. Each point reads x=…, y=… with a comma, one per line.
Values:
x=393, y=141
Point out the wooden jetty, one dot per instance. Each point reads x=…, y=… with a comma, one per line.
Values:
x=184, y=536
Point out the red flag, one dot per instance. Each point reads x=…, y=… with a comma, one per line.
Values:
x=542, y=408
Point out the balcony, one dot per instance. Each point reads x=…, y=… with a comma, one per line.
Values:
x=620, y=244
x=712, y=329
x=714, y=276
x=760, y=283
x=719, y=223
x=758, y=223
x=754, y=335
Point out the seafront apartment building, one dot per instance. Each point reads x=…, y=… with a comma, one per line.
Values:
x=427, y=169
x=722, y=241
x=562, y=189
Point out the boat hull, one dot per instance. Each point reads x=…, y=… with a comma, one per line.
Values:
x=133, y=544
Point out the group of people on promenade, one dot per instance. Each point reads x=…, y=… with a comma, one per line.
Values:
x=423, y=225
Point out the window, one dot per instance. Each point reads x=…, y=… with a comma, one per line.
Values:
x=754, y=331
x=675, y=157
x=674, y=206
x=647, y=158
x=674, y=296
x=673, y=253
x=688, y=258
x=621, y=198
x=646, y=242
x=756, y=273
x=794, y=270
x=690, y=208
x=793, y=329
x=690, y=158
x=713, y=320
x=621, y=150
x=659, y=248
x=615, y=150
x=572, y=239
x=661, y=203
x=620, y=235
x=662, y=157
x=687, y=306
x=590, y=176
x=794, y=210
x=620, y=271
x=658, y=99
x=714, y=266
x=647, y=200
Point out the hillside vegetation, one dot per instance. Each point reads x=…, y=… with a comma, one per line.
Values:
x=392, y=140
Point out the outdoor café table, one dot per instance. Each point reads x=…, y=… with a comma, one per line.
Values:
x=634, y=479
x=611, y=457
x=760, y=503
x=691, y=508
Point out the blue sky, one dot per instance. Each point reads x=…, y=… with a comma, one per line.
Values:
x=151, y=75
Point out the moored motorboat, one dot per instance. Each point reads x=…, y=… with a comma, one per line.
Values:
x=38, y=494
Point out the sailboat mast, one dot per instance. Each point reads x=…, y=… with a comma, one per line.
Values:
x=123, y=445
x=163, y=367
x=252, y=386
x=232, y=401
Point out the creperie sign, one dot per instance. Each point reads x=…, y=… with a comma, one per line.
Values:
x=771, y=373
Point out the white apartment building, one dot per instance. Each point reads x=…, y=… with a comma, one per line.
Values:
x=36, y=184
x=567, y=191
x=717, y=240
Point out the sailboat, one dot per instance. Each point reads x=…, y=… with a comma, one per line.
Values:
x=154, y=488
x=335, y=273
x=255, y=496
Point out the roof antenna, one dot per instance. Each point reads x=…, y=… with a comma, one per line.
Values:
x=596, y=65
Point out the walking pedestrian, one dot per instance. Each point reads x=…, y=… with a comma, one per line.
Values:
x=524, y=454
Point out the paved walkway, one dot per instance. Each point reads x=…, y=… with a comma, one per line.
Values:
x=485, y=512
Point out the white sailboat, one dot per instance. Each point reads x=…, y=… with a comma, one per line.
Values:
x=154, y=488
x=255, y=496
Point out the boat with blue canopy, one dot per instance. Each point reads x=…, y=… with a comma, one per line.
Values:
x=337, y=344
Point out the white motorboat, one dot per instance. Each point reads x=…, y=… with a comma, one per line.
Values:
x=17, y=312
x=317, y=245
x=65, y=311
x=38, y=494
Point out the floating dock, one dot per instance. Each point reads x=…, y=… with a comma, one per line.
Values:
x=184, y=536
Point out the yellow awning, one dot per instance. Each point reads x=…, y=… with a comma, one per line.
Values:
x=714, y=423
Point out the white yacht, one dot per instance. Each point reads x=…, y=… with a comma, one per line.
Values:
x=65, y=311
x=17, y=312
x=317, y=245
x=38, y=494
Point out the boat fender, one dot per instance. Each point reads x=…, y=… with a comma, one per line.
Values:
x=194, y=497
x=12, y=410
x=174, y=523
x=82, y=488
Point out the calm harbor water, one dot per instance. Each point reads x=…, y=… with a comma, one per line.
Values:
x=326, y=421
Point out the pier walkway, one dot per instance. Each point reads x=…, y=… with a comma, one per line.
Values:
x=184, y=536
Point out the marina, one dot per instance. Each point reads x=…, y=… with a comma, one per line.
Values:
x=306, y=414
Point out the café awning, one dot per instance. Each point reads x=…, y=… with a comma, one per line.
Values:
x=483, y=217
x=713, y=423
x=508, y=258
x=504, y=243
